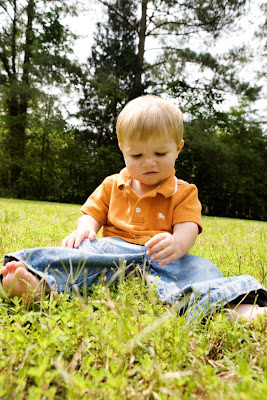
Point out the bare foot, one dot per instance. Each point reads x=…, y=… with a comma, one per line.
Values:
x=18, y=281
x=249, y=311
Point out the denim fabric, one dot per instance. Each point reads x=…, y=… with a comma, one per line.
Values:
x=194, y=281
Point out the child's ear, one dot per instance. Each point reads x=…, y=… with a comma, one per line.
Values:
x=180, y=146
x=120, y=146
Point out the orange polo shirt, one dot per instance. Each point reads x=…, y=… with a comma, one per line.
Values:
x=136, y=219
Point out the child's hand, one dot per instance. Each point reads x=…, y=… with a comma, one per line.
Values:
x=165, y=246
x=87, y=229
x=169, y=247
x=76, y=238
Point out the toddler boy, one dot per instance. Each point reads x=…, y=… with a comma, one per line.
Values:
x=145, y=203
x=147, y=215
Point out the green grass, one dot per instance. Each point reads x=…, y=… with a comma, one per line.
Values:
x=121, y=342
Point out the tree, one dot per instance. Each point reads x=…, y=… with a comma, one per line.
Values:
x=119, y=68
x=226, y=158
x=33, y=47
x=112, y=68
x=173, y=27
x=261, y=59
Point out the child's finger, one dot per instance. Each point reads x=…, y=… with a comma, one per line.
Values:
x=92, y=236
x=68, y=241
x=150, y=243
x=162, y=244
x=163, y=253
x=167, y=260
x=157, y=238
x=157, y=247
x=78, y=240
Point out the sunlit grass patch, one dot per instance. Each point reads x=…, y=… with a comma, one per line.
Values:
x=121, y=342
x=235, y=246
x=27, y=224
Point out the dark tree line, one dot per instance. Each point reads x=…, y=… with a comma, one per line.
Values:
x=34, y=58
x=43, y=157
x=226, y=159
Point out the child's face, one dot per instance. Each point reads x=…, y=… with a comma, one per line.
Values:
x=152, y=161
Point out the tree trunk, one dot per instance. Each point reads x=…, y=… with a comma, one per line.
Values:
x=19, y=97
x=138, y=88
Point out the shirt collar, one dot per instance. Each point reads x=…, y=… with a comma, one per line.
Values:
x=168, y=188
x=124, y=178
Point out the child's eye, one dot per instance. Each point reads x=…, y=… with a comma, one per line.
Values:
x=137, y=155
x=160, y=154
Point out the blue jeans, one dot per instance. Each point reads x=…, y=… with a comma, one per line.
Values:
x=194, y=281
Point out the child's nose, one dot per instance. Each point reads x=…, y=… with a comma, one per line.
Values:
x=149, y=161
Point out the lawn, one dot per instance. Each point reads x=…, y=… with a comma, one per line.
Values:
x=121, y=342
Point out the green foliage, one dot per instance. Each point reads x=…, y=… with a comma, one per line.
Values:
x=34, y=57
x=226, y=158
x=198, y=78
x=108, y=85
x=111, y=71
x=121, y=342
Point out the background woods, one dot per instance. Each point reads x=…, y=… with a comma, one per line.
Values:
x=162, y=47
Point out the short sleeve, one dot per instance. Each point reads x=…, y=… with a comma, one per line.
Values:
x=97, y=204
x=188, y=206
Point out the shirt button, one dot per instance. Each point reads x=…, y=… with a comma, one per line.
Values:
x=138, y=210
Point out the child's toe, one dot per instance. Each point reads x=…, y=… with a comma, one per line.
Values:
x=4, y=271
x=11, y=266
x=21, y=273
x=19, y=264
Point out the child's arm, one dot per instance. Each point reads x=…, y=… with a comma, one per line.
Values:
x=87, y=228
x=169, y=246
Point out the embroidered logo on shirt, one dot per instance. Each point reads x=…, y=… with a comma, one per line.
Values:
x=161, y=216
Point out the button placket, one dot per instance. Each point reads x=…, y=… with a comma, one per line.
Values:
x=138, y=213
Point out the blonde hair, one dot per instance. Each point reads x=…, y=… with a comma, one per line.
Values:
x=148, y=116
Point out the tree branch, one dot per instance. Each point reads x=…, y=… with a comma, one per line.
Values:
x=4, y=59
x=110, y=7
x=2, y=5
